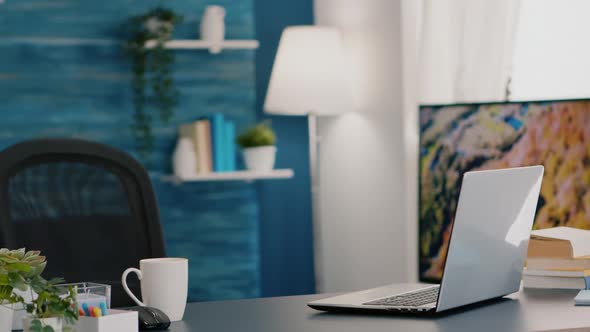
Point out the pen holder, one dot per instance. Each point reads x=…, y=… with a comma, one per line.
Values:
x=89, y=293
x=114, y=321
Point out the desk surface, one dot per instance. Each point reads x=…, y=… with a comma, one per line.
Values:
x=532, y=310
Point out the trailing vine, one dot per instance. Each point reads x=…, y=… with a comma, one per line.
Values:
x=152, y=82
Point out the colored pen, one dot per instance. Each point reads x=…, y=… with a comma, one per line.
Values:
x=86, y=310
x=81, y=312
x=103, y=308
x=96, y=311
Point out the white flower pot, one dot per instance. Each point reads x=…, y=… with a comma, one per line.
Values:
x=55, y=322
x=261, y=158
x=6, y=314
x=184, y=160
x=17, y=318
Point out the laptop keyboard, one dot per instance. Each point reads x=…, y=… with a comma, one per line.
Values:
x=412, y=299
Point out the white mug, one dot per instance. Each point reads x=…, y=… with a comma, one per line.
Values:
x=164, y=285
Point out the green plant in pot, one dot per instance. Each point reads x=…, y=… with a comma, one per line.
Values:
x=152, y=82
x=258, y=146
x=20, y=273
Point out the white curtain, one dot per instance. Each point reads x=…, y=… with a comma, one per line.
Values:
x=452, y=51
x=552, y=57
x=466, y=48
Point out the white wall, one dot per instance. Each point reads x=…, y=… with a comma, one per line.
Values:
x=364, y=237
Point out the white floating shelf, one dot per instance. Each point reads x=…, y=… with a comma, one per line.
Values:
x=233, y=176
x=189, y=44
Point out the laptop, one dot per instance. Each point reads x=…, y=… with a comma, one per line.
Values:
x=486, y=254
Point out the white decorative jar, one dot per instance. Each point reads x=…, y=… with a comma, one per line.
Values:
x=55, y=322
x=261, y=158
x=6, y=314
x=213, y=27
x=184, y=160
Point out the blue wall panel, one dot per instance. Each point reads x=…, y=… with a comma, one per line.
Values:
x=286, y=232
x=83, y=90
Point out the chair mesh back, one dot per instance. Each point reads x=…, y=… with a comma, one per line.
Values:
x=60, y=190
x=87, y=215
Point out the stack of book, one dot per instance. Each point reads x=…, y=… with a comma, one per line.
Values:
x=213, y=139
x=557, y=258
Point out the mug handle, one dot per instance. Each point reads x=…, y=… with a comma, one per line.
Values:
x=127, y=290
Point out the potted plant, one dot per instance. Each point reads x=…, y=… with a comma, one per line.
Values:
x=47, y=310
x=16, y=266
x=151, y=63
x=258, y=145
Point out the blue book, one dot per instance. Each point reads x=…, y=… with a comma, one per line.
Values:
x=230, y=145
x=218, y=140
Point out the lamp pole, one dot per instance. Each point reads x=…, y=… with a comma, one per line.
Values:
x=314, y=141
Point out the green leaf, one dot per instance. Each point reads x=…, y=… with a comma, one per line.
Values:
x=14, y=267
x=17, y=281
x=37, y=270
x=35, y=323
x=8, y=259
x=4, y=279
x=34, y=260
x=32, y=253
x=19, y=253
x=48, y=329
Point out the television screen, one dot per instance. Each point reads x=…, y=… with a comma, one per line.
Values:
x=455, y=139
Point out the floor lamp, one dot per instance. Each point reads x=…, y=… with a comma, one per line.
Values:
x=309, y=77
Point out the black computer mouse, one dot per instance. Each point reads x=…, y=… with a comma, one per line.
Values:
x=151, y=318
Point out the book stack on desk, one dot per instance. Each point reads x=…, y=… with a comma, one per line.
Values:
x=557, y=258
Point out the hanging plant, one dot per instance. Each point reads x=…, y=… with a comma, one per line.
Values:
x=152, y=82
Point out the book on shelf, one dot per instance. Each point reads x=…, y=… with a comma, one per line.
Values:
x=204, y=159
x=218, y=140
x=197, y=132
x=213, y=141
x=230, y=145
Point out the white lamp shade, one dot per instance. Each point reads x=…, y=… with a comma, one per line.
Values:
x=309, y=74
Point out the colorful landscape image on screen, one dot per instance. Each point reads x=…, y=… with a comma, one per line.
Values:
x=460, y=138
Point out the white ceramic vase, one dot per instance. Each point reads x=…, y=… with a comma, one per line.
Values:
x=6, y=316
x=184, y=160
x=261, y=158
x=55, y=322
x=213, y=27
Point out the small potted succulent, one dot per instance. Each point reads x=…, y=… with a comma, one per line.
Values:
x=47, y=311
x=258, y=145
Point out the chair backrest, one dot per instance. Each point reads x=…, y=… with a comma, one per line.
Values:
x=89, y=208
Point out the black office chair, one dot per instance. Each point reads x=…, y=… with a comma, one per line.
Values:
x=89, y=208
